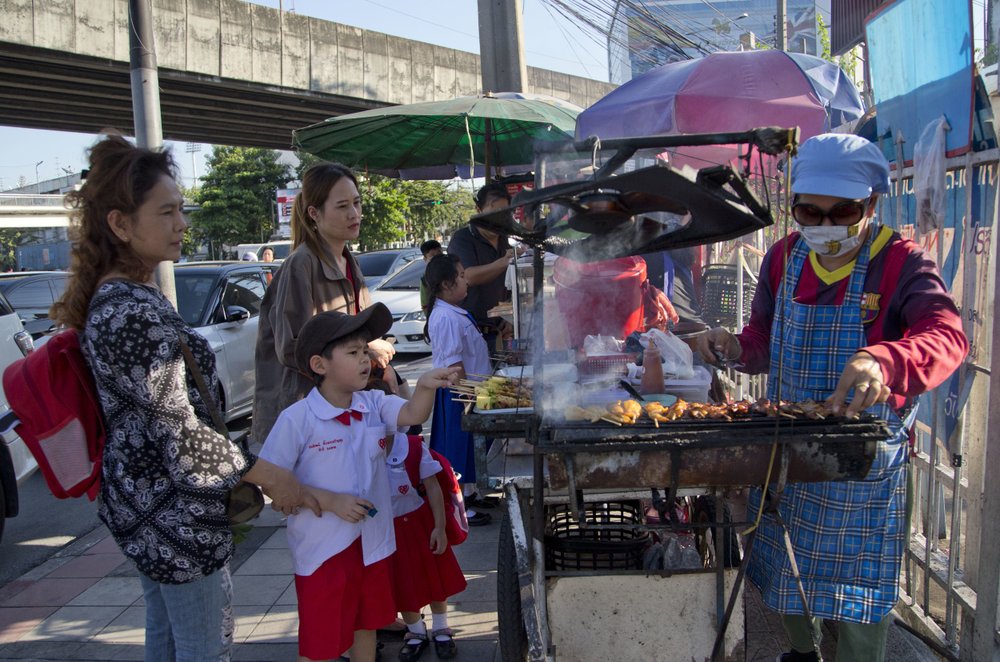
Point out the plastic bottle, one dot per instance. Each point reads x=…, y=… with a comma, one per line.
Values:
x=652, y=374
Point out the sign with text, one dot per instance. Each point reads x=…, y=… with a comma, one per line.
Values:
x=285, y=200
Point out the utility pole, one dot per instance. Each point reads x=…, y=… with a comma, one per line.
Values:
x=781, y=35
x=146, y=104
x=994, y=30
x=501, y=46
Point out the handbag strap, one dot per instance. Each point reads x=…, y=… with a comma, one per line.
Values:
x=199, y=379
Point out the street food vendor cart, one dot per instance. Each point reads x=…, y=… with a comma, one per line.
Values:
x=597, y=560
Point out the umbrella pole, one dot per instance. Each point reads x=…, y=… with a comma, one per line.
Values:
x=489, y=148
x=472, y=158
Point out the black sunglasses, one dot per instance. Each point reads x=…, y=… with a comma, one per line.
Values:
x=842, y=213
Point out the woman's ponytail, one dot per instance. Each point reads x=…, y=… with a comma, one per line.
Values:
x=441, y=270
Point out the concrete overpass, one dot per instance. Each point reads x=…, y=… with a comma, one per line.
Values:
x=22, y=211
x=231, y=72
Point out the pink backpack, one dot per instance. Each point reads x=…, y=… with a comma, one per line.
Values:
x=456, y=521
x=52, y=393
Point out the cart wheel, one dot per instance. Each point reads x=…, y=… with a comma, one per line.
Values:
x=510, y=621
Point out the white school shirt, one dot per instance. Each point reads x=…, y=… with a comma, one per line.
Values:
x=349, y=459
x=404, y=496
x=455, y=337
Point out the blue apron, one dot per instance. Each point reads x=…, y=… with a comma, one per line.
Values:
x=848, y=536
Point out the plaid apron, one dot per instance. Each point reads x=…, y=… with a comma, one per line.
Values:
x=848, y=536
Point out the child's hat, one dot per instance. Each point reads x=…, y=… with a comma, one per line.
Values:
x=331, y=325
x=841, y=165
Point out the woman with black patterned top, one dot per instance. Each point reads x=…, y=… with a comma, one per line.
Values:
x=166, y=472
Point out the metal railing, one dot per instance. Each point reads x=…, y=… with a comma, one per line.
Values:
x=949, y=587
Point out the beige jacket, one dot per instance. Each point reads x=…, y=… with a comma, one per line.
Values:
x=303, y=286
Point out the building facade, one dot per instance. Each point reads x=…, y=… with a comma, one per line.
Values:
x=660, y=31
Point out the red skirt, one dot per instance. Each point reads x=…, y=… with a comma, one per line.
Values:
x=419, y=576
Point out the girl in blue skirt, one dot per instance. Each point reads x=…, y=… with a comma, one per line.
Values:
x=455, y=341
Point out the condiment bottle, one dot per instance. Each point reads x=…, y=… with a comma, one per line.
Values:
x=652, y=375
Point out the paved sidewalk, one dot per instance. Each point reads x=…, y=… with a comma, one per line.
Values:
x=85, y=603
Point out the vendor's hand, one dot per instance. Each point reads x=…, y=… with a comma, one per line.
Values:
x=718, y=342
x=439, y=378
x=439, y=541
x=505, y=329
x=508, y=255
x=381, y=352
x=661, y=312
x=863, y=374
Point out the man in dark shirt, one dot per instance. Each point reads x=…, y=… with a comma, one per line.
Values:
x=485, y=256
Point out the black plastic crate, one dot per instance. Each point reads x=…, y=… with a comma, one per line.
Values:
x=617, y=545
x=719, y=295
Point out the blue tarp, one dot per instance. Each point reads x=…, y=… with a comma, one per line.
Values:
x=921, y=54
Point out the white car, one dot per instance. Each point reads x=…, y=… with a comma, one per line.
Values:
x=400, y=292
x=16, y=462
x=221, y=300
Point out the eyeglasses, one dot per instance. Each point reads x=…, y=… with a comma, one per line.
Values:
x=842, y=213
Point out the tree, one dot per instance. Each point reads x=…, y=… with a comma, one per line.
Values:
x=237, y=195
x=386, y=211
x=848, y=61
x=10, y=239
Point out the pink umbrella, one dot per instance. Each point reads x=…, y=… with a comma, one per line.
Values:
x=727, y=92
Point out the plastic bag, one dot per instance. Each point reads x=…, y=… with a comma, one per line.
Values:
x=929, y=175
x=601, y=345
x=677, y=357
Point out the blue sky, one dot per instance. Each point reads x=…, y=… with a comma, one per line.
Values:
x=551, y=42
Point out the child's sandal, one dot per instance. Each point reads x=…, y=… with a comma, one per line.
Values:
x=412, y=651
x=445, y=649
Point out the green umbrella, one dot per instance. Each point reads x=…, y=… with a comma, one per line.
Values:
x=494, y=129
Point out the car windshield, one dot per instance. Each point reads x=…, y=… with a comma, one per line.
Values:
x=407, y=278
x=193, y=293
x=376, y=264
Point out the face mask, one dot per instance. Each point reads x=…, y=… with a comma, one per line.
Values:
x=832, y=240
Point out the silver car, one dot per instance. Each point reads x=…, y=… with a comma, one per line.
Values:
x=221, y=300
x=379, y=265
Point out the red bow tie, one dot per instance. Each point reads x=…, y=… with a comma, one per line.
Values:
x=345, y=417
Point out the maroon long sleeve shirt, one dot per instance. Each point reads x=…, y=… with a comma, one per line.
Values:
x=911, y=322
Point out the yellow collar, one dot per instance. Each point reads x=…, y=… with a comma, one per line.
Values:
x=831, y=277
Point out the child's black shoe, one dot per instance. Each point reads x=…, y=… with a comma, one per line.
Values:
x=444, y=644
x=480, y=519
x=414, y=647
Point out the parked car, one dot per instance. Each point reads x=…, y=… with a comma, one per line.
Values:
x=379, y=265
x=32, y=294
x=221, y=300
x=16, y=462
x=401, y=294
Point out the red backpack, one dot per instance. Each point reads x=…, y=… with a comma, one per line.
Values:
x=52, y=393
x=456, y=522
